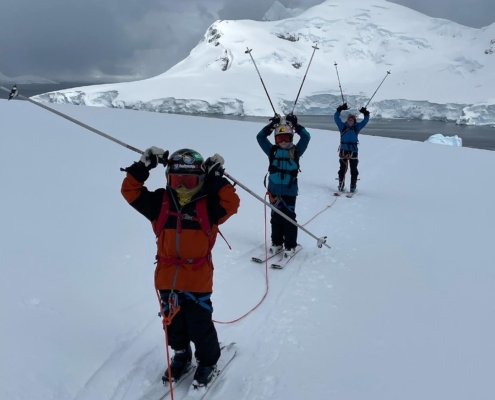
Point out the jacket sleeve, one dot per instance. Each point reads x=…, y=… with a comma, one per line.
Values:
x=303, y=142
x=223, y=201
x=138, y=196
x=363, y=123
x=262, y=138
x=338, y=121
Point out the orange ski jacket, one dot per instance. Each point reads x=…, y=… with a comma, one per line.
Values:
x=191, y=242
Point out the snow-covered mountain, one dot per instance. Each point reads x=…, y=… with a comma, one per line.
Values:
x=278, y=12
x=24, y=79
x=438, y=67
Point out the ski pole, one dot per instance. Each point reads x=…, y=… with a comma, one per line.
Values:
x=388, y=73
x=315, y=47
x=14, y=93
x=340, y=86
x=319, y=241
x=248, y=51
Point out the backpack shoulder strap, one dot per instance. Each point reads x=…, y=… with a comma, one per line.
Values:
x=163, y=216
x=202, y=214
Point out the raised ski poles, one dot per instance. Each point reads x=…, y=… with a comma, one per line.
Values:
x=388, y=73
x=15, y=93
x=319, y=241
x=340, y=86
x=248, y=51
x=315, y=47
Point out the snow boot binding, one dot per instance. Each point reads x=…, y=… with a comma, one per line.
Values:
x=181, y=362
x=274, y=249
x=203, y=375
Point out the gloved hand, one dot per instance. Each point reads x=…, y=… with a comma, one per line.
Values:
x=214, y=165
x=275, y=120
x=364, y=111
x=291, y=118
x=152, y=156
x=342, y=107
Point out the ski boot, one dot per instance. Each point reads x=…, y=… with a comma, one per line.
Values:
x=181, y=362
x=341, y=186
x=353, y=188
x=203, y=375
x=289, y=252
x=274, y=249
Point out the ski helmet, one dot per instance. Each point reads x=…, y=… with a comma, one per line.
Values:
x=185, y=171
x=284, y=131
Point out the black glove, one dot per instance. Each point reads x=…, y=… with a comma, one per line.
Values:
x=138, y=170
x=152, y=156
x=291, y=118
x=342, y=107
x=274, y=121
x=214, y=166
x=364, y=111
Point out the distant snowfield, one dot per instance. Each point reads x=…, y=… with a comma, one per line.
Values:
x=400, y=308
x=440, y=70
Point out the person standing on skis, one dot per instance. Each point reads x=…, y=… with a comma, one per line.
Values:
x=185, y=217
x=348, y=149
x=283, y=168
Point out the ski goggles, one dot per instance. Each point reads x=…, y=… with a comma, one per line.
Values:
x=187, y=181
x=283, y=138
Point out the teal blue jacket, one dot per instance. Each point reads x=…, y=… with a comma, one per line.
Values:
x=349, y=136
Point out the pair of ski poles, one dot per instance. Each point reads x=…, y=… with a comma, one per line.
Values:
x=13, y=93
x=340, y=86
x=248, y=51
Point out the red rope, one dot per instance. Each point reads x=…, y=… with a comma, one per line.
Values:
x=266, y=281
x=322, y=211
x=167, y=321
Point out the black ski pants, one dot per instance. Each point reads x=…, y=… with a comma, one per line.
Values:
x=284, y=232
x=347, y=157
x=193, y=323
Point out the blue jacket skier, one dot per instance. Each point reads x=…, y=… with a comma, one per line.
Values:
x=348, y=149
x=283, y=169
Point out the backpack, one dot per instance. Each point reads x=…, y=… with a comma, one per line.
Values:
x=292, y=156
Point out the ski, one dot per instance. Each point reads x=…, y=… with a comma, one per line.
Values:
x=163, y=391
x=265, y=256
x=283, y=261
x=349, y=195
x=338, y=193
x=199, y=392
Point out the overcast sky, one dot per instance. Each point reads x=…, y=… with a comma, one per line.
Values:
x=73, y=40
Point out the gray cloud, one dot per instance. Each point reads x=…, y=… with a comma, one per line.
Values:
x=74, y=40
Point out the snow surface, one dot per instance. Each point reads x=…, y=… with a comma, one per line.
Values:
x=401, y=307
x=448, y=140
x=439, y=68
x=24, y=79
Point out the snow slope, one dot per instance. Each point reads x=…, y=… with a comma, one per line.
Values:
x=23, y=79
x=438, y=67
x=401, y=307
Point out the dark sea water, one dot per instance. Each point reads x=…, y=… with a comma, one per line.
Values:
x=472, y=136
